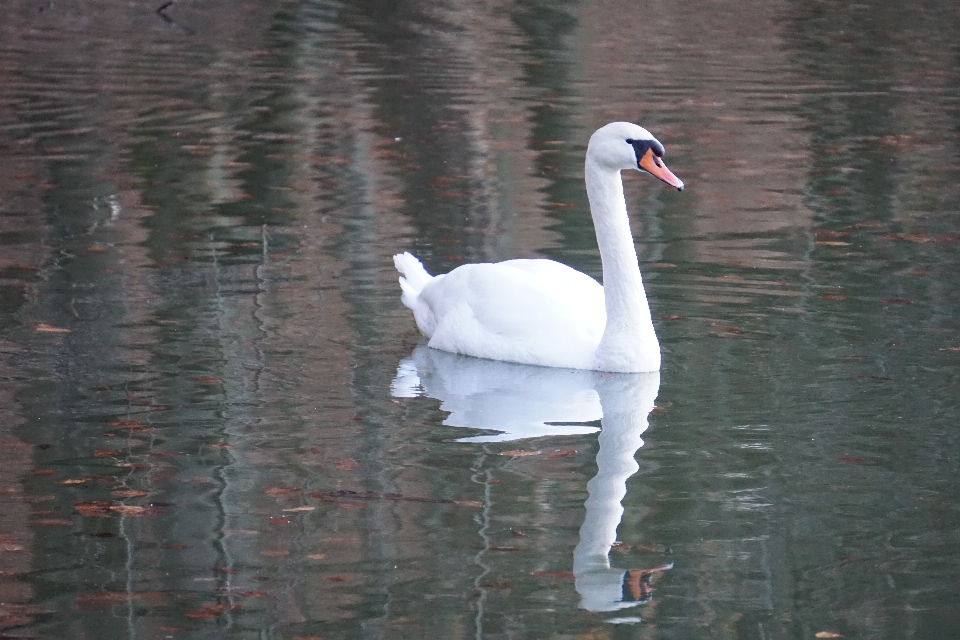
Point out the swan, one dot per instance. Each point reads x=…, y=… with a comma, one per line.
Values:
x=542, y=312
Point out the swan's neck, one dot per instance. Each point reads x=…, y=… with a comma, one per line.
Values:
x=629, y=342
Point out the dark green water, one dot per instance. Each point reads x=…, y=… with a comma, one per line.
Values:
x=203, y=432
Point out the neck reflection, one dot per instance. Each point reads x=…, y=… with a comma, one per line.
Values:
x=512, y=402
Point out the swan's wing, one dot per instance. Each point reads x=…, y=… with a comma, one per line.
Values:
x=533, y=311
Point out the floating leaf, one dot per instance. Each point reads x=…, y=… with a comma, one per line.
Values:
x=562, y=453
x=112, y=597
x=833, y=296
x=134, y=511
x=123, y=423
x=516, y=453
x=93, y=508
x=72, y=481
x=468, y=503
x=729, y=328
x=554, y=574
x=209, y=611
x=53, y=522
x=245, y=532
x=128, y=493
x=495, y=585
x=827, y=634
x=316, y=556
x=276, y=492
x=298, y=509
x=43, y=327
x=336, y=578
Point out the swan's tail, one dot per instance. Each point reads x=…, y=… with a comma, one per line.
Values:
x=413, y=277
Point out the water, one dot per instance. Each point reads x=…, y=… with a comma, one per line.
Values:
x=211, y=421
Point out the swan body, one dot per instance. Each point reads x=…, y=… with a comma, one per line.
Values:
x=542, y=312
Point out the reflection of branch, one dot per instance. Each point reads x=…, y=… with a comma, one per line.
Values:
x=344, y=496
x=161, y=11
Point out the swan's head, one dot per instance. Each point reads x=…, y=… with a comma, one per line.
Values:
x=623, y=145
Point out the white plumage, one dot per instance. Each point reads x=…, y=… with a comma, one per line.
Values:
x=545, y=313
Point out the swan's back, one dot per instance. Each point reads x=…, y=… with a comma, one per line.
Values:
x=530, y=311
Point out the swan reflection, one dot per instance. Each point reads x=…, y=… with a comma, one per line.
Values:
x=519, y=401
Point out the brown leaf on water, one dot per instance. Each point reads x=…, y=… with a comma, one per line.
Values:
x=123, y=423
x=831, y=243
x=133, y=511
x=128, y=493
x=276, y=492
x=278, y=520
x=519, y=534
x=93, y=508
x=832, y=296
x=516, y=453
x=336, y=578
x=210, y=610
x=243, y=532
x=729, y=328
x=299, y=509
x=554, y=574
x=43, y=327
x=113, y=597
x=348, y=499
x=316, y=556
x=562, y=453
x=53, y=522
x=107, y=453
x=828, y=634
x=72, y=481
x=899, y=301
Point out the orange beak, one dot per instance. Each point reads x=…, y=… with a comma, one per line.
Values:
x=654, y=166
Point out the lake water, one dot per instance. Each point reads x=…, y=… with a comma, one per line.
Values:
x=215, y=418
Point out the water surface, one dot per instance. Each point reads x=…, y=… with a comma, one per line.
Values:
x=216, y=420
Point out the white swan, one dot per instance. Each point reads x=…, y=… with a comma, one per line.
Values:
x=545, y=313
